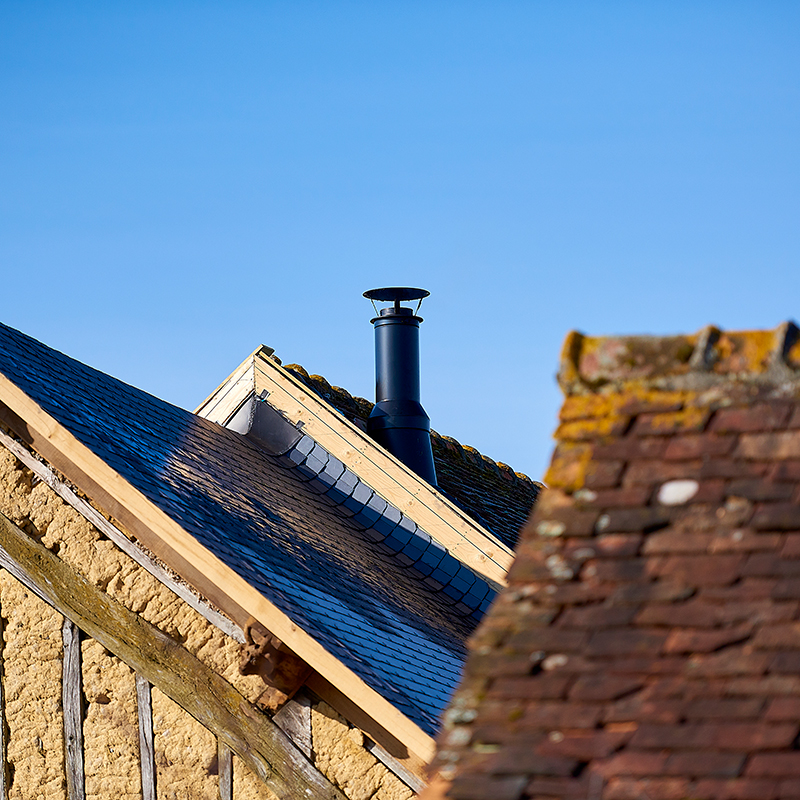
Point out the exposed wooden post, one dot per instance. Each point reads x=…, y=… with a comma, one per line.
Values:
x=147, y=759
x=294, y=719
x=225, y=775
x=196, y=688
x=4, y=771
x=72, y=704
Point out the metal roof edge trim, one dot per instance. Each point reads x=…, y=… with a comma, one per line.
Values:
x=208, y=570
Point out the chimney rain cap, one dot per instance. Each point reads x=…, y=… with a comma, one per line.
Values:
x=393, y=294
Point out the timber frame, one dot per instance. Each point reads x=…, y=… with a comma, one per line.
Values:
x=163, y=547
x=158, y=661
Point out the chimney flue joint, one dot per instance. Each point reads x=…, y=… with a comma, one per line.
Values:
x=398, y=421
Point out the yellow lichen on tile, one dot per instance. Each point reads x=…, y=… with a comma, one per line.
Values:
x=185, y=753
x=32, y=685
x=340, y=755
x=567, y=469
x=110, y=729
x=793, y=356
x=584, y=406
x=744, y=351
x=568, y=362
x=594, y=428
x=685, y=419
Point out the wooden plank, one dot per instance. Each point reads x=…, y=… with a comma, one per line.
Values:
x=147, y=753
x=193, y=562
x=393, y=480
x=143, y=559
x=294, y=719
x=223, y=406
x=5, y=773
x=72, y=705
x=225, y=773
x=226, y=393
x=158, y=658
x=414, y=782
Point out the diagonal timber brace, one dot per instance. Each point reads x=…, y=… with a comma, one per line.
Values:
x=200, y=691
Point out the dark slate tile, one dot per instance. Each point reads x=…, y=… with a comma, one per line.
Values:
x=267, y=525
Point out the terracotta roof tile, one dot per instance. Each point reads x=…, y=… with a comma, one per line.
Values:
x=656, y=590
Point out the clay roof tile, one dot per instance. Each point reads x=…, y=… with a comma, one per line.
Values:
x=647, y=644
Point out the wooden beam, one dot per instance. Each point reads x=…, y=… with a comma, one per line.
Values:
x=464, y=538
x=214, y=579
x=415, y=761
x=158, y=658
x=72, y=705
x=142, y=558
x=147, y=752
x=410, y=779
x=224, y=771
x=294, y=719
x=5, y=773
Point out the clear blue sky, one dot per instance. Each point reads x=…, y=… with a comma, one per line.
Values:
x=181, y=181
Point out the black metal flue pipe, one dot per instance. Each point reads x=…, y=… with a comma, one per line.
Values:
x=398, y=421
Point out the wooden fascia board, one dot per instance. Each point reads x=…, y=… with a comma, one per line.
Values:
x=192, y=561
x=229, y=395
x=393, y=480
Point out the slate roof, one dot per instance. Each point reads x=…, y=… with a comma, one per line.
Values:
x=269, y=519
x=489, y=491
x=648, y=644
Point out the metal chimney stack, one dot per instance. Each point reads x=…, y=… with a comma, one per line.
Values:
x=398, y=421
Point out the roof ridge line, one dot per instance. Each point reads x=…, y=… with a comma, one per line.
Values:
x=597, y=364
x=321, y=386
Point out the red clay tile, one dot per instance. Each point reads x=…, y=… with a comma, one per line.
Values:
x=759, y=417
x=783, y=708
x=699, y=445
x=774, y=765
x=735, y=789
x=769, y=446
x=705, y=764
x=604, y=687
x=688, y=640
x=646, y=789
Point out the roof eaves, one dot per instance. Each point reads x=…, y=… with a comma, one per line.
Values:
x=168, y=541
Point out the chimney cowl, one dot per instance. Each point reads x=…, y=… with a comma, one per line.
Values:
x=398, y=421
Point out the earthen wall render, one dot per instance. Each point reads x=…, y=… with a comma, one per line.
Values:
x=185, y=751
